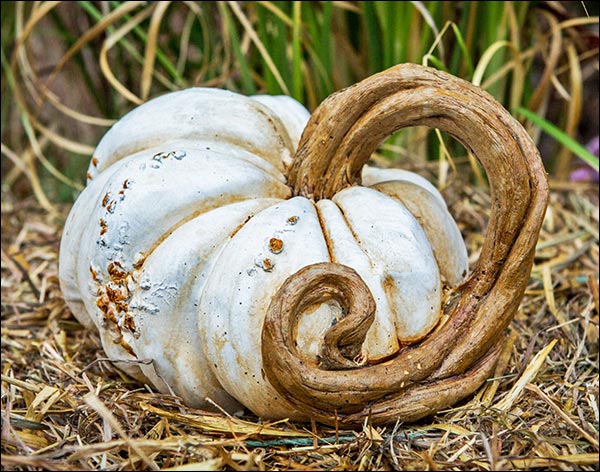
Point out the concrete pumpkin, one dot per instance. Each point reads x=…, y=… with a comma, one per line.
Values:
x=252, y=274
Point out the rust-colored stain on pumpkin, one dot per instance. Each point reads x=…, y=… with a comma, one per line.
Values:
x=116, y=271
x=128, y=322
x=103, y=227
x=238, y=227
x=118, y=294
x=275, y=245
x=139, y=260
x=111, y=315
x=95, y=161
x=125, y=345
x=113, y=299
x=102, y=301
x=267, y=265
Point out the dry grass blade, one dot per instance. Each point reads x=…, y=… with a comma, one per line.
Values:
x=277, y=12
x=68, y=144
x=528, y=375
x=259, y=45
x=37, y=15
x=184, y=44
x=513, y=65
x=150, y=52
x=503, y=361
x=16, y=160
x=37, y=146
x=76, y=115
x=592, y=20
x=560, y=462
x=49, y=366
x=110, y=41
x=573, y=112
x=540, y=94
x=27, y=165
x=561, y=413
x=430, y=22
x=437, y=43
x=107, y=416
x=93, y=32
x=225, y=424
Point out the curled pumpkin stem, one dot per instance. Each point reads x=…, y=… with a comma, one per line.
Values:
x=318, y=283
x=452, y=361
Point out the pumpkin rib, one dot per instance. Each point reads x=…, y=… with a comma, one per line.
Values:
x=194, y=197
x=400, y=253
x=168, y=333
x=337, y=142
x=345, y=249
x=196, y=114
x=192, y=216
x=329, y=241
x=442, y=232
x=238, y=292
x=373, y=176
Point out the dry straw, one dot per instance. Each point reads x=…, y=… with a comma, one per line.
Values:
x=66, y=407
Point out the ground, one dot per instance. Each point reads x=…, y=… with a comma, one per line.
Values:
x=66, y=407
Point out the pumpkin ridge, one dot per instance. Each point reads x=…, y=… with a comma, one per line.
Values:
x=442, y=232
x=401, y=254
x=328, y=242
x=181, y=222
x=173, y=335
x=132, y=216
x=381, y=339
x=196, y=113
x=354, y=235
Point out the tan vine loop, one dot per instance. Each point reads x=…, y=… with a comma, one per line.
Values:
x=452, y=361
x=318, y=283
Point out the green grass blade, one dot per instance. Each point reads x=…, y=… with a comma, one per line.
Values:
x=297, y=83
x=464, y=50
x=373, y=34
x=139, y=32
x=433, y=61
x=241, y=62
x=564, y=139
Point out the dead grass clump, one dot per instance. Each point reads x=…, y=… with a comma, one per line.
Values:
x=66, y=407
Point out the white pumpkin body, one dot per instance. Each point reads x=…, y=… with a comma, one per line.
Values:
x=187, y=229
